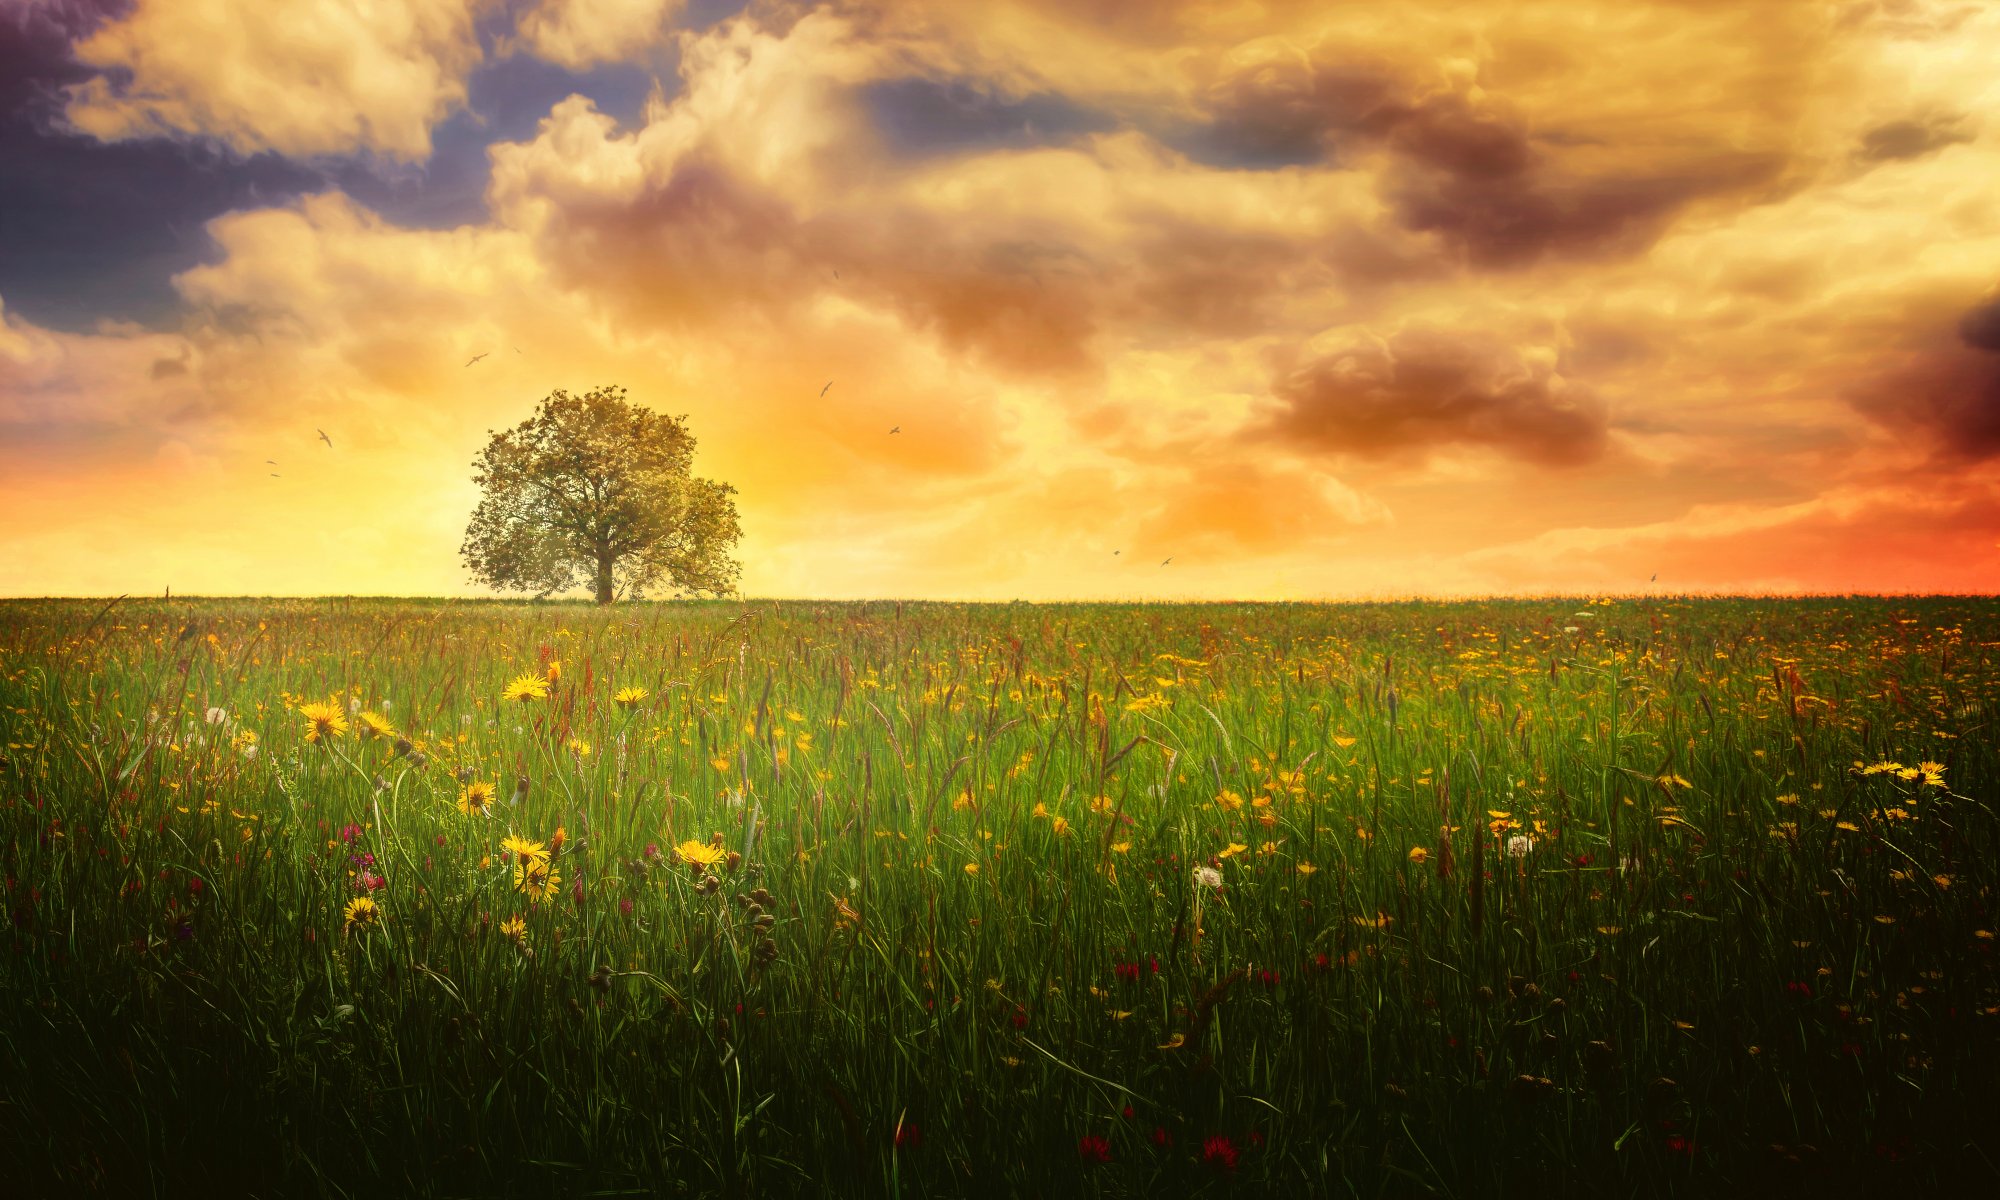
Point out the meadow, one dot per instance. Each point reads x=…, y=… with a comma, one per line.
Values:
x=1607, y=896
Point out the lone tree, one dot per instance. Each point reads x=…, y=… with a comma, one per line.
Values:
x=595, y=489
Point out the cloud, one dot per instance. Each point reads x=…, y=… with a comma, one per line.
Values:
x=1911, y=137
x=579, y=34
x=303, y=78
x=1422, y=389
x=1942, y=385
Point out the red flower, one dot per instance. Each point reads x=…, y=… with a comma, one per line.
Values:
x=1219, y=1152
x=1091, y=1148
x=1161, y=1137
x=908, y=1137
x=1020, y=1018
x=1128, y=1112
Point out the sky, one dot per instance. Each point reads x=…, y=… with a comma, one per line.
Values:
x=1314, y=301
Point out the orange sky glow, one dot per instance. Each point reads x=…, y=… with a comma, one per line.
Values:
x=1319, y=300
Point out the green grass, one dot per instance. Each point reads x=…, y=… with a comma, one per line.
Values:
x=1729, y=960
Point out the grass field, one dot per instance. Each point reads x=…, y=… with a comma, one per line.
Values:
x=1632, y=897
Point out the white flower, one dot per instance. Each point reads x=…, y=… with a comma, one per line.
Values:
x=216, y=716
x=1519, y=845
x=1208, y=877
x=250, y=751
x=354, y=704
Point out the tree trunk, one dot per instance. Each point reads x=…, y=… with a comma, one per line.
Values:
x=604, y=565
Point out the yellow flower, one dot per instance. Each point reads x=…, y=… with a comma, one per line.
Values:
x=526, y=688
x=1233, y=849
x=1418, y=854
x=537, y=879
x=1306, y=868
x=579, y=747
x=522, y=848
x=323, y=721
x=699, y=854
x=630, y=697
x=474, y=797
x=553, y=672
x=361, y=913
x=370, y=724
x=1060, y=825
x=1175, y=1042
x=1120, y=847
x=514, y=929
x=972, y=868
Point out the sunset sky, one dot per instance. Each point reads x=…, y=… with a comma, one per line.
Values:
x=1319, y=300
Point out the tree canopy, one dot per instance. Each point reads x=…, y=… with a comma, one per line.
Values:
x=597, y=491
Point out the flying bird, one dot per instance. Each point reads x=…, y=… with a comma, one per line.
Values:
x=517, y=350
x=1116, y=553
x=475, y=358
x=272, y=461
x=822, y=391
x=1169, y=559
x=275, y=475
x=324, y=438
x=897, y=429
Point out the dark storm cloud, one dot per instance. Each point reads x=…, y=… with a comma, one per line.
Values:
x=1947, y=390
x=1495, y=192
x=925, y=117
x=1910, y=138
x=1424, y=388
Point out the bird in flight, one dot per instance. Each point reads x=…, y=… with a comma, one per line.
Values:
x=475, y=358
x=324, y=438
x=1169, y=559
x=275, y=475
x=897, y=429
x=822, y=391
x=1116, y=553
x=1655, y=578
x=517, y=349
x=272, y=461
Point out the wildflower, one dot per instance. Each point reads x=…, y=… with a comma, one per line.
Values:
x=360, y=913
x=526, y=688
x=1418, y=854
x=1233, y=849
x=908, y=1136
x=216, y=716
x=1160, y=1137
x=1219, y=1152
x=630, y=697
x=523, y=849
x=474, y=798
x=579, y=747
x=972, y=868
x=698, y=854
x=369, y=724
x=1933, y=774
x=536, y=879
x=1092, y=1148
x=1519, y=845
x=556, y=842
x=323, y=721
x=1306, y=868
x=514, y=929
x=1208, y=877
x=1060, y=826
x=1175, y=1042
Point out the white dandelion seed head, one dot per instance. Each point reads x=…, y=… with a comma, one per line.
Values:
x=216, y=716
x=353, y=704
x=1519, y=845
x=1208, y=877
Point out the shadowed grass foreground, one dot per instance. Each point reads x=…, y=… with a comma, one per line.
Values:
x=1633, y=898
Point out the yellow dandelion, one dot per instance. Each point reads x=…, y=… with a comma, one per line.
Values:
x=1418, y=854
x=579, y=747
x=370, y=724
x=972, y=868
x=699, y=854
x=361, y=913
x=1306, y=868
x=553, y=672
x=1060, y=825
x=1232, y=850
x=526, y=688
x=1120, y=847
x=474, y=797
x=630, y=697
x=323, y=721
x=538, y=880
x=514, y=929
x=522, y=848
